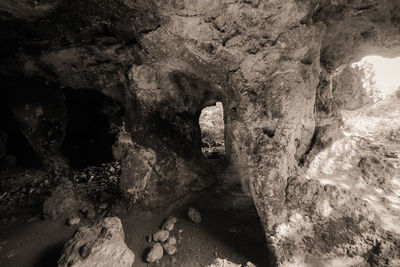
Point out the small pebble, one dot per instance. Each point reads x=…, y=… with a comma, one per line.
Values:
x=194, y=215
x=155, y=253
x=169, y=249
x=169, y=223
x=171, y=240
x=74, y=220
x=161, y=236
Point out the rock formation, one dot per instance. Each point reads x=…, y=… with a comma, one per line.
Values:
x=161, y=62
x=101, y=244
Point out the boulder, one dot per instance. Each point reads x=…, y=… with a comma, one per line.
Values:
x=101, y=245
x=137, y=163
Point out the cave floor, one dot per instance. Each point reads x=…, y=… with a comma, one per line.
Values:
x=230, y=229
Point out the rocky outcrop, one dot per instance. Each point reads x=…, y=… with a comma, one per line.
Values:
x=269, y=62
x=137, y=164
x=101, y=244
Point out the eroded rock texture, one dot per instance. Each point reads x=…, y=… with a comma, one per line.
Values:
x=101, y=244
x=269, y=62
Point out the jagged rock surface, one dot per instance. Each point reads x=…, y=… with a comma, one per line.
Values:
x=101, y=244
x=269, y=62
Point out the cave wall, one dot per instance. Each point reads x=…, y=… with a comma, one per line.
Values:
x=269, y=62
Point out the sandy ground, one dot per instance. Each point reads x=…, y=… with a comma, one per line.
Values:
x=229, y=229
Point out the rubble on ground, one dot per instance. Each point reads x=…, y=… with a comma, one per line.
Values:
x=164, y=241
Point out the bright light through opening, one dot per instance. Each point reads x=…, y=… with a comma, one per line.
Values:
x=387, y=73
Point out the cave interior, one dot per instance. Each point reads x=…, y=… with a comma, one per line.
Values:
x=267, y=133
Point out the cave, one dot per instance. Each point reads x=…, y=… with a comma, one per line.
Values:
x=187, y=133
x=212, y=128
x=90, y=131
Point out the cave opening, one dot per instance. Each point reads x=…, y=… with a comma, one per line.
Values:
x=377, y=114
x=90, y=133
x=381, y=76
x=364, y=155
x=212, y=128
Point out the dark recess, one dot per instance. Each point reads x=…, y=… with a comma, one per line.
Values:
x=92, y=117
x=17, y=145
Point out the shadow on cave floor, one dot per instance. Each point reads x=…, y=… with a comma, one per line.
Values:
x=230, y=229
x=30, y=241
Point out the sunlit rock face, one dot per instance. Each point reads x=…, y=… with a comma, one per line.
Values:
x=269, y=62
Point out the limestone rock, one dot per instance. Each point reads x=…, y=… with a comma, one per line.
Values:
x=161, y=236
x=194, y=215
x=100, y=244
x=171, y=240
x=169, y=249
x=155, y=253
x=137, y=164
x=73, y=220
x=169, y=223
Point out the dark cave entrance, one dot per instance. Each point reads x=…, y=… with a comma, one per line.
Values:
x=15, y=150
x=90, y=134
x=212, y=128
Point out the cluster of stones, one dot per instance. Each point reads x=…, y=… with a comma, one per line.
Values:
x=164, y=242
